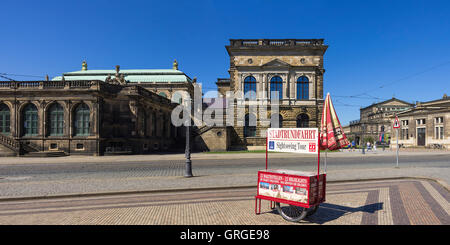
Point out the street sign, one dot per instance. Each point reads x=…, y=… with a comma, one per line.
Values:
x=396, y=123
x=396, y=126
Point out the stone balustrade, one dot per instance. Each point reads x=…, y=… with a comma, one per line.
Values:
x=49, y=84
x=276, y=42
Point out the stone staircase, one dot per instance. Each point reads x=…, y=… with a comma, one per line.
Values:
x=9, y=146
x=201, y=130
x=12, y=147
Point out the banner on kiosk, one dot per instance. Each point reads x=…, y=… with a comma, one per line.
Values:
x=296, y=140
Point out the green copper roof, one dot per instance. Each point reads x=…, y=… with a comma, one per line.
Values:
x=130, y=75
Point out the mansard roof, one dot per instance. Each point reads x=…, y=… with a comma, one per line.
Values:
x=130, y=75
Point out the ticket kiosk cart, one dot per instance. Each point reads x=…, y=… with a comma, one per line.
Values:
x=298, y=194
x=295, y=194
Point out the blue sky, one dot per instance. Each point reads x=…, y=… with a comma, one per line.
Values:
x=377, y=49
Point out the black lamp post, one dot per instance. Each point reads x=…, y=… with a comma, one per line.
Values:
x=188, y=172
x=362, y=138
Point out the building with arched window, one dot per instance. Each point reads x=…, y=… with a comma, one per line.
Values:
x=128, y=111
x=92, y=112
x=288, y=70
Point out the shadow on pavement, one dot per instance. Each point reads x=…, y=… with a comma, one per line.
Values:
x=328, y=212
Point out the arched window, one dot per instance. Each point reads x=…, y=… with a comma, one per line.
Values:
x=56, y=119
x=302, y=121
x=5, y=117
x=250, y=125
x=276, y=121
x=250, y=87
x=302, y=88
x=81, y=122
x=276, y=87
x=30, y=120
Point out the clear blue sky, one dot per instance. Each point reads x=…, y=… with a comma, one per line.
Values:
x=401, y=46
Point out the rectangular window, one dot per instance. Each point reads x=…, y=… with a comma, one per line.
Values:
x=439, y=132
x=405, y=134
x=439, y=120
x=405, y=122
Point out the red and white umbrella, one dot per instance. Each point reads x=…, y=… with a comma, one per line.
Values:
x=331, y=135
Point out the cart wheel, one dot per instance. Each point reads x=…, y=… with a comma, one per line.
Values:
x=311, y=211
x=290, y=212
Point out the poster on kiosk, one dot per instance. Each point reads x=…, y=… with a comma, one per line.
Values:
x=288, y=186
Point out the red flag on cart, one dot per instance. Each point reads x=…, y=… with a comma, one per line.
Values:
x=332, y=136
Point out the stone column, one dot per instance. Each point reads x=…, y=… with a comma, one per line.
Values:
x=285, y=86
x=293, y=86
x=42, y=117
x=67, y=119
x=14, y=117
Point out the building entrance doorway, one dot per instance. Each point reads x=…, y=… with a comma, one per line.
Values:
x=421, y=136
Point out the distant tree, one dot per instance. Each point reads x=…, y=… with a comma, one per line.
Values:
x=369, y=139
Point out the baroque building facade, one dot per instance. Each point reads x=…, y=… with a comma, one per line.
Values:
x=425, y=125
x=286, y=74
x=375, y=123
x=92, y=112
x=128, y=111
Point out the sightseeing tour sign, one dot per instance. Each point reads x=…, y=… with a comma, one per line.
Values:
x=294, y=140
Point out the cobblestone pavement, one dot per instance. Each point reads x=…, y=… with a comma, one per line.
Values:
x=389, y=202
x=142, y=173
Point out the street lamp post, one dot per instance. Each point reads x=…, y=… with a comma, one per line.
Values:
x=362, y=138
x=188, y=172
